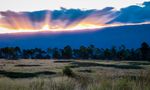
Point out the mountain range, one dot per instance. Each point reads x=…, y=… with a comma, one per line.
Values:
x=130, y=35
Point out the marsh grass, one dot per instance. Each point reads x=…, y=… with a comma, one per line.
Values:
x=87, y=76
x=79, y=82
x=92, y=64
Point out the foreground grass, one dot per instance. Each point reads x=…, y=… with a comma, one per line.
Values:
x=45, y=75
x=80, y=82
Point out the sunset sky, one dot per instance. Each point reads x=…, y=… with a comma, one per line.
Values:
x=103, y=23
x=70, y=15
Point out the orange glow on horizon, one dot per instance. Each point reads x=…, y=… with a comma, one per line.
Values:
x=79, y=27
x=19, y=23
x=45, y=27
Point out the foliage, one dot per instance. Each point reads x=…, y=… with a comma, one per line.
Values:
x=89, y=52
x=67, y=71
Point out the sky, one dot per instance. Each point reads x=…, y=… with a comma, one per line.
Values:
x=41, y=15
x=30, y=16
x=34, y=5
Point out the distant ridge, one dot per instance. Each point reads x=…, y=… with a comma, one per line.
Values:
x=131, y=36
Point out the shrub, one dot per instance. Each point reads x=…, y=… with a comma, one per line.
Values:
x=67, y=71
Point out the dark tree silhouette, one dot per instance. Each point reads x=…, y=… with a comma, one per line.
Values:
x=10, y=53
x=83, y=52
x=56, y=53
x=97, y=54
x=49, y=52
x=122, y=52
x=89, y=52
x=107, y=53
x=28, y=54
x=113, y=53
x=145, y=49
x=67, y=52
x=76, y=54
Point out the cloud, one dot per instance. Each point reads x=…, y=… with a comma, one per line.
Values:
x=134, y=14
x=63, y=18
x=69, y=17
x=14, y=20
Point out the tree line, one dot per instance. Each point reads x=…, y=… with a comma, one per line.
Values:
x=83, y=52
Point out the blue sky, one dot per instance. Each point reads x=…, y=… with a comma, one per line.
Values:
x=34, y=5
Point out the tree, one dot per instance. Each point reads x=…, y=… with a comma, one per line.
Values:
x=97, y=54
x=56, y=53
x=16, y=53
x=28, y=54
x=49, y=52
x=7, y=52
x=67, y=52
x=107, y=53
x=76, y=53
x=91, y=51
x=83, y=52
x=10, y=53
x=113, y=52
x=145, y=50
x=39, y=53
x=122, y=52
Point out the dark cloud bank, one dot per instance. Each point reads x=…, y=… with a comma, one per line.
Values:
x=131, y=14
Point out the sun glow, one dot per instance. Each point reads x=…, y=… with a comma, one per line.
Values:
x=79, y=27
x=19, y=23
x=45, y=27
x=85, y=26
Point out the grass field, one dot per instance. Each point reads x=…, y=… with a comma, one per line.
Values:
x=88, y=75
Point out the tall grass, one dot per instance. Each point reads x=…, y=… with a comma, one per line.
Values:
x=81, y=81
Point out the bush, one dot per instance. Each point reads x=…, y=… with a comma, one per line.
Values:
x=67, y=71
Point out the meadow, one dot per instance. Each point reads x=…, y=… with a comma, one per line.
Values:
x=85, y=75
